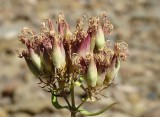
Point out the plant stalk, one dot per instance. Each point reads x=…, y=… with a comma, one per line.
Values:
x=73, y=114
x=82, y=102
x=73, y=108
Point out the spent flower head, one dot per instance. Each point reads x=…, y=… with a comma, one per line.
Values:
x=61, y=58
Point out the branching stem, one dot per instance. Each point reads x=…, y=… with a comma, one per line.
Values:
x=82, y=102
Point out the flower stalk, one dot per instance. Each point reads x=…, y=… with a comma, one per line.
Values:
x=73, y=108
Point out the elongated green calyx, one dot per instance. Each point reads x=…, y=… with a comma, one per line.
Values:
x=46, y=61
x=58, y=53
x=85, y=46
x=100, y=39
x=101, y=77
x=32, y=67
x=112, y=71
x=92, y=73
x=35, y=58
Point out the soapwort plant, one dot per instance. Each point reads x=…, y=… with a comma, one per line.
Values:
x=63, y=59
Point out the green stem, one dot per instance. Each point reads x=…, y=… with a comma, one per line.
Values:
x=73, y=114
x=72, y=94
x=82, y=102
x=65, y=98
x=73, y=108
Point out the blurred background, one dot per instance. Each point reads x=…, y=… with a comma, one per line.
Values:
x=136, y=22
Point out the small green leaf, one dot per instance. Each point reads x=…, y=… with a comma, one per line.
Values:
x=56, y=104
x=87, y=113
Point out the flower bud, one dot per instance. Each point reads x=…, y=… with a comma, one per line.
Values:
x=101, y=77
x=67, y=31
x=92, y=73
x=46, y=60
x=35, y=58
x=32, y=67
x=85, y=46
x=100, y=39
x=58, y=54
x=51, y=27
x=93, y=38
x=61, y=24
x=112, y=71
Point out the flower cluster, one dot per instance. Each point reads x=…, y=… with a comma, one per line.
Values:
x=59, y=56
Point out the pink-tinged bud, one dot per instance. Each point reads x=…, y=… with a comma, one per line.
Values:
x=85, y=46
x=93, y=39
x=58, y=54
x=32, y=67
x=112, y=71
x=67, y=31
x=51, y=27
x=61, y=24
x=92, y=73
x=100, y=39
x=35, y=58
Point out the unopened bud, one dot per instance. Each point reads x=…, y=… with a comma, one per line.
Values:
x=46, y=60
x=100, y=39
x=35, y=58
x=92, y=73
x=93, y=39
x=51, y=27
x=85, y=46
x=61, y=24
x=32, y=67
x=100, y=78
x=58, y=54
x=112, y=71
x=67, y=31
